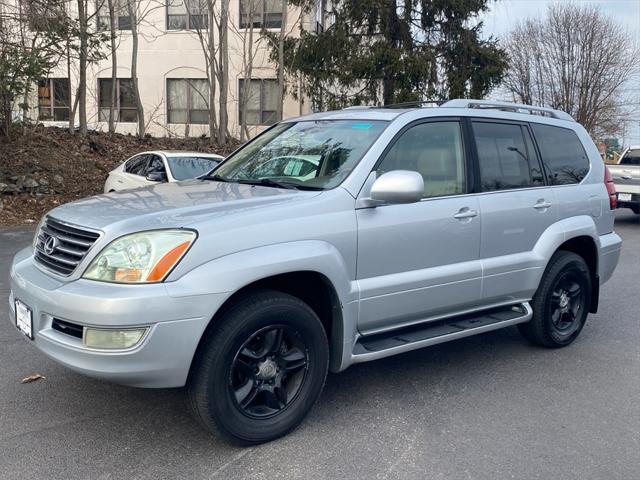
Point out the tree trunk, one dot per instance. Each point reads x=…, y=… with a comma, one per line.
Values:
x=223, y=71
x=211, y=71
x=134, y=66
x=283, y=31
x=72, y=110
x=248, y=73
x=82, y=80
x=114, y=67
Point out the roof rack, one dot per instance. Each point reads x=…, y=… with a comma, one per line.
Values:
x=412, y=103
x=508, y=107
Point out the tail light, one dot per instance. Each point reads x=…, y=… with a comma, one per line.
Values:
x=611, y=189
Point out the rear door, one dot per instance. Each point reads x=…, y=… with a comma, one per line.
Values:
x=516, y=207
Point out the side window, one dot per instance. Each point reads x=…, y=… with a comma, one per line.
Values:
x=562, y=154
x=506, y=157
x=155, y=165
x=136, y=165
x=435, y=151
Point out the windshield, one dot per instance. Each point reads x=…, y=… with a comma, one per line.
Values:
x=185, y=168
x=632, y=157
x=307, y=154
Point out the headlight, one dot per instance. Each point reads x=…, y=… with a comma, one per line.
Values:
x=145, y=257
x=35, y=237
x=112, y=339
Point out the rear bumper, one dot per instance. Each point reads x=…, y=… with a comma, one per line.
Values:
x=163, y=357
x=610, y=245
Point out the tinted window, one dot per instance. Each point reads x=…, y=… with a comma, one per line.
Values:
x=564, y=158
x=632, y=157
x=136, y=165
x=184, y=168
x=505, y=157
x=155, y=165
x=435, y=151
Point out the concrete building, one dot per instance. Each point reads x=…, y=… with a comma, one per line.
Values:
x=172, y=69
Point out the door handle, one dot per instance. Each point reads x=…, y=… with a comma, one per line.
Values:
x=542, y=204
x=465, y=213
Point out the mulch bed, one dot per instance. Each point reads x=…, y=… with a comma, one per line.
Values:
x=42, y=167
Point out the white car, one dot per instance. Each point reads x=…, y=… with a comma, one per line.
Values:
x=150, y=168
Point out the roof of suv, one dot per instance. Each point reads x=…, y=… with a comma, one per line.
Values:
x=452, y=107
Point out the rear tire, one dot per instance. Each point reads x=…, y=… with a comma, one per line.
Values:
x=561, y=303
x=260, y=368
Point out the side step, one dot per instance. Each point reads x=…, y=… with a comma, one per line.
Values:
x=405, y=339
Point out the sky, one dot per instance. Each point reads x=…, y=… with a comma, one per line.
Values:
x=505, y=14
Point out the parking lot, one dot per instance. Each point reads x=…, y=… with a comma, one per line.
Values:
x=486, y=407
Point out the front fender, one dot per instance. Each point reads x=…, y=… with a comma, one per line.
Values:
x=226, y=275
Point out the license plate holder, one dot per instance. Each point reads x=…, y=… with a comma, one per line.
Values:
x=624, y=197
x=24, y=319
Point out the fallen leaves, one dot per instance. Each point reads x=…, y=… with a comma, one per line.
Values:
x=32, y=378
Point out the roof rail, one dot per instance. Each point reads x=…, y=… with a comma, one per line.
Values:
x=409, y=104
x=508, y=107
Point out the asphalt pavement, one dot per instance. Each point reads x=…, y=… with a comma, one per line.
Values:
x=488, y=407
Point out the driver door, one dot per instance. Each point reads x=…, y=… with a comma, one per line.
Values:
x=421, y=260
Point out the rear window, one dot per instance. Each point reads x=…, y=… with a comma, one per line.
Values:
x=562, y=153
x=632, y=157
x=185, y=168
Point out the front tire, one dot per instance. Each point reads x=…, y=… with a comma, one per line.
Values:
x=260, y=368
x=561, y=303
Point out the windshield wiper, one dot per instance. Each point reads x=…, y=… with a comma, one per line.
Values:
x=216, y=178
x=270, y=182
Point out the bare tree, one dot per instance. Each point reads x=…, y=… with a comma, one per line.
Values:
x=223, y=71
x=132, y=6
x=114, y=65
x=575, y=59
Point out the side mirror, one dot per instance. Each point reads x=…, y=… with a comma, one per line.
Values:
x=157, y=177
x=398, y=186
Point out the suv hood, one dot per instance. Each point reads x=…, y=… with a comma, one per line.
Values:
x=172, y=204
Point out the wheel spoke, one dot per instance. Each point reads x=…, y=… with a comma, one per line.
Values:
x=556, y=316
x=245, y=366
x=294, y=360
x=249, y=354
x=246, y=393
x=273, y=340
x=574, y=291
x=272, y=401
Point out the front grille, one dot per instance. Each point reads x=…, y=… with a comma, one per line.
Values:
x=67, y=328
x=61, y=247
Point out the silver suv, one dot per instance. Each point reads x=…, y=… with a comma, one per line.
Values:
x=328, y=240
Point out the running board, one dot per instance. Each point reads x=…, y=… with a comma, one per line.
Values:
x=381, y=345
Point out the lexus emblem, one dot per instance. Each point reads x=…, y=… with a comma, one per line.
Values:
x=50, y=245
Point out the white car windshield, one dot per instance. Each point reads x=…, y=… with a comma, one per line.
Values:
x=307, y=154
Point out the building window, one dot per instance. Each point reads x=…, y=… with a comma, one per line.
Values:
x=266, y=13
x=187, y=100
x=187, y=15
x=262, y=102
x=53, y=99
x=121, y=13
x=125, y=107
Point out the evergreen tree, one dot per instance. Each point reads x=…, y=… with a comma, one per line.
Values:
x=390, y=51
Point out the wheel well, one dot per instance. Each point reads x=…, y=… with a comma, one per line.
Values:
x=585, y=246
x=315, y=290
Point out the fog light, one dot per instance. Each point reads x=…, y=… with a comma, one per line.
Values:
x=112, y=339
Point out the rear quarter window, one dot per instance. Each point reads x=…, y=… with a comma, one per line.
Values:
x=563, y=155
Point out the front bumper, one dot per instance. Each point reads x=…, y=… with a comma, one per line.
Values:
x=163, y=357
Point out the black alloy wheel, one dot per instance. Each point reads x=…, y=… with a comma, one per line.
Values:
x=561, y=303
x=260, y=367
x=268, y=371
